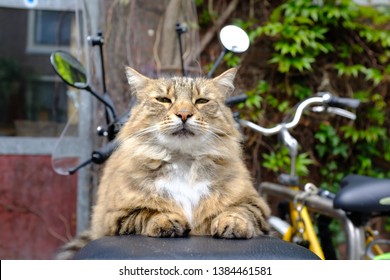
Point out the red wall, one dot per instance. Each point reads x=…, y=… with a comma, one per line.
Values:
x=37, y=207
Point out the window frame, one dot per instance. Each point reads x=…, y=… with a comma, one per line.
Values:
x=31, y=46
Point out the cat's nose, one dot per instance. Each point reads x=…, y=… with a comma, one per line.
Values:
x=184, y=115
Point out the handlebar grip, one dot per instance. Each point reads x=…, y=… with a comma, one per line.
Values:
x=233, y=100
x=101, y=155
x=343, y=102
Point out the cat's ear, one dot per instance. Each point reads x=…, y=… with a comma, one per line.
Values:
x=135, y=79
x=226, y=80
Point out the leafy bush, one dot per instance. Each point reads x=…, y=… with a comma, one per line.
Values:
x=336, y=46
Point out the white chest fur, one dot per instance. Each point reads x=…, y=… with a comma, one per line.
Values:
x=180, y=186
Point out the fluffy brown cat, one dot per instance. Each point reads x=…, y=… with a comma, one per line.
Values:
x=178, y=169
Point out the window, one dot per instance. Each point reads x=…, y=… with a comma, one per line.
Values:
x=33, y=99
x=49, y=30
x=46, y=101
x=37, y=107
x=44, y=109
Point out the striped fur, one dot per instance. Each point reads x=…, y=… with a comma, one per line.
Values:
x=178, y=169
x=68, y=251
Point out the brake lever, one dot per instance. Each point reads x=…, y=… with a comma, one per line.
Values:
x=98, y=156
x=334, y=110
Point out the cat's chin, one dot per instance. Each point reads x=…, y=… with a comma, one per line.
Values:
x=183, y=142
x=183, y=133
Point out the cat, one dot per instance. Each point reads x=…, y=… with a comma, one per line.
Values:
x=179, y=167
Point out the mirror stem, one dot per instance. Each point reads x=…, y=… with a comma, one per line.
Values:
x=103, y=72
x=217, y=62
x=109, y=106
x=99, y=41
x=180, y=29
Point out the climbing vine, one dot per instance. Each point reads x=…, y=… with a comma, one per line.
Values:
x=337, y=46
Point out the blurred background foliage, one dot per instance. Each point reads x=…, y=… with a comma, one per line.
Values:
x=300, y=47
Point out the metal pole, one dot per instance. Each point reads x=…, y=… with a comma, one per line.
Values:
x=180, y=29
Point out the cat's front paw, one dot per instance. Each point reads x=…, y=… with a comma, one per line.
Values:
x=167, y=225
x=229, y=225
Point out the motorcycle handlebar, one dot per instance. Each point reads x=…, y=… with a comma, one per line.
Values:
x=343, y=102
x=324, y=100
x=234, y=100
x=101, y=155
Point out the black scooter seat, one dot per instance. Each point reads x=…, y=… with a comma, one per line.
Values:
x=362, y=194
x=139, y=247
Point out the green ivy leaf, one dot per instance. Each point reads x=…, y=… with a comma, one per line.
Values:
x=374, y=75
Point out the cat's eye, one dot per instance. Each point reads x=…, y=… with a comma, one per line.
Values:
x=163, y=100
x=201, y=101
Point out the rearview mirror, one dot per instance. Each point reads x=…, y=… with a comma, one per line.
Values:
x=69, y=69
x=234, y=39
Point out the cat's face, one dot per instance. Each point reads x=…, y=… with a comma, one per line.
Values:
x=183, y=112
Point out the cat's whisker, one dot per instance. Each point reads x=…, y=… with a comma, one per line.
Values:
x=145, y=131
x=168, y=128
x=217, y=133
x=140, y=133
